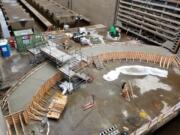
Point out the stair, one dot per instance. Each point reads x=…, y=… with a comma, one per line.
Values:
x=98, y=63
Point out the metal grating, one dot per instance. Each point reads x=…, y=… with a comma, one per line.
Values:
x=157, y=21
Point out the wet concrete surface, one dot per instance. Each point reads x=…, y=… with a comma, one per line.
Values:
x=110, y=107
x=29, y=87
x=128, y=46
x=13, y=68
x=3, y=127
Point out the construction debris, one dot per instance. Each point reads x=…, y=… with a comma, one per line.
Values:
x=57, y=106
x=89, y=105
x=86, y=37
x=66, y=87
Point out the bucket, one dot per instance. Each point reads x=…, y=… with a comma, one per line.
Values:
x=5, y=48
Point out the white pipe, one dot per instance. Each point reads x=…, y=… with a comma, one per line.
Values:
x=48, y=128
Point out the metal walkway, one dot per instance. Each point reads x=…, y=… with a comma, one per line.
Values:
x=55, y=54
x=67, y=70
x=67, y=62
x=4, y=27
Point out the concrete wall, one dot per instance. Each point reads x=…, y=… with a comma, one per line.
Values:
x=3, y=128
x=99, y=11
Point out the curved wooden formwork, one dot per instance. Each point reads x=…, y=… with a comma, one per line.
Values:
x=162, y=61
x=17, y=121
x=37, y=109
x=19, y=82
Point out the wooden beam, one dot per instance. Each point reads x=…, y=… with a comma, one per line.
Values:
x=36, y=112
x=9, y=128
x=15, y=126
x=22, y=125
x=33, y=117
x=39, y=106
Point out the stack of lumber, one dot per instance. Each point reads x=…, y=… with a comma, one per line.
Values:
x=57, y=106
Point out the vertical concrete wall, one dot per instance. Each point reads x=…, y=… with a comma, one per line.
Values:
x=99, y=11
x=3, y=129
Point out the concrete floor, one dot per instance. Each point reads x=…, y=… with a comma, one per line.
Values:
x=29, y=87
x=128, y=46
x=111, y=108
x=13, y=68
x=3, y=127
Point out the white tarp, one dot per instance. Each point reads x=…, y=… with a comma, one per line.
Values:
x=66, y=87
x=135, y=70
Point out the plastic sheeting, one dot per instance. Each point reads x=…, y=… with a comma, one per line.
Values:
x=135, y=70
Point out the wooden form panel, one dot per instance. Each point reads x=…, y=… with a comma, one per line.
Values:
x=57, y=106
x=15, y=124
x=37, y=108
x=162, y=61
x=19, y=82
x=154, y=20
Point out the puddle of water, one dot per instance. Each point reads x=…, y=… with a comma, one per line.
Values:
x=149, y=83
x=17, y=68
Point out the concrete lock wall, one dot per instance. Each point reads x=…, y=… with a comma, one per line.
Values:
x=3, y=127
x=98, y=11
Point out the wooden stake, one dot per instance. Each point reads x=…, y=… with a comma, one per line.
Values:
x=22, y=124
x=15, y=126
x=131, y=89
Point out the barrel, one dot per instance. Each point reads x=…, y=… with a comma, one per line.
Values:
x=5, y=48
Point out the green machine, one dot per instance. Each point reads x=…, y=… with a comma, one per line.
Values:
x=114, y=32
x=26, y=39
